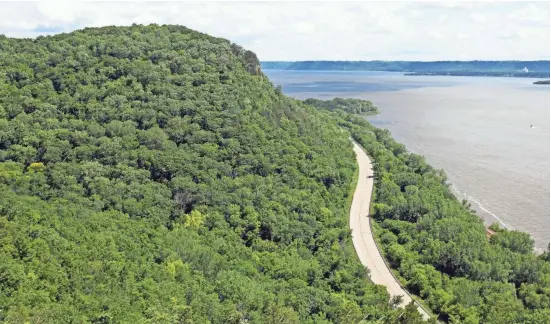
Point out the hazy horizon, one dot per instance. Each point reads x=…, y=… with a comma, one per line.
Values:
x=299, y=31
x=450, y=60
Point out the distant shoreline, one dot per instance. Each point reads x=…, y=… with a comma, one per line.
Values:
x=526, y=75
x=485, y=74
x=526, y=69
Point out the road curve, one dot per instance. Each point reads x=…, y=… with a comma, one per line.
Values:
x=364, y=243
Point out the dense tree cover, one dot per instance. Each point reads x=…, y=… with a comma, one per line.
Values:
x=349, y=105
x=153, y=174
x=412, y=66
x=438, y=245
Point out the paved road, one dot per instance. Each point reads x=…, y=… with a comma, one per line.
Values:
x=364, y=243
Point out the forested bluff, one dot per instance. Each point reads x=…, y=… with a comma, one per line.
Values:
x=153, y=174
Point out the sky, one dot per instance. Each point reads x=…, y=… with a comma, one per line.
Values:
x=293, y=31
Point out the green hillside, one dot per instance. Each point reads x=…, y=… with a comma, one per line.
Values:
x=152, y=174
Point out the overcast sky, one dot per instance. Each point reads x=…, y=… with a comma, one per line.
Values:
x=286, y=30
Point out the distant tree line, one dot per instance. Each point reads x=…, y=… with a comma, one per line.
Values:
x=414, y=66
x=515, y=74
x=353, y=106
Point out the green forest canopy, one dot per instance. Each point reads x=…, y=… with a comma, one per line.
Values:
x=349, y=105
x=154, y=174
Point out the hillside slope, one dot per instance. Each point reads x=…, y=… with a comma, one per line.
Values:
x=153, y=174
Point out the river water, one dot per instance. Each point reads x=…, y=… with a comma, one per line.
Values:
x=475, y=128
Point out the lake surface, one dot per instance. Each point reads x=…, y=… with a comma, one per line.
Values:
x=475, y=128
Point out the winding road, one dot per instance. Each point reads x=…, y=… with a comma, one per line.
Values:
x=364, y=243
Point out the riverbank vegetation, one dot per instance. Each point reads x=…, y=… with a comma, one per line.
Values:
x=438, y=245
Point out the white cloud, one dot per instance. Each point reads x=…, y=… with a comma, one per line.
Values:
x=478, y=17
x=443, y=18
x=304, y=28
x=436, y=34
x=318, y=30
x=530, y=13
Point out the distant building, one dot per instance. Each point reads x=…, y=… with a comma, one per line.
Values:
x=525, y=69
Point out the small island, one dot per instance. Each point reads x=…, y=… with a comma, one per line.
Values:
x=513, y=74
x=542, y=82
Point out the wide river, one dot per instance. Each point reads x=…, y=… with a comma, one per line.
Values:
x=475, y=128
